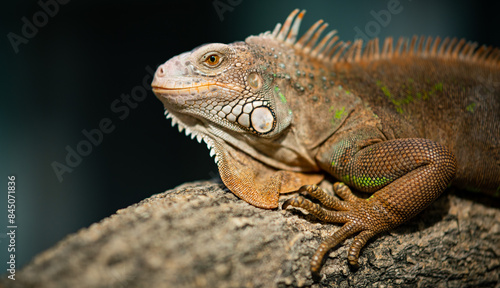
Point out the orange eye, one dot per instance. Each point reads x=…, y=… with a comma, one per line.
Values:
x=212, y=60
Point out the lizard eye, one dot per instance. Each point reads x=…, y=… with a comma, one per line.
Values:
x=212, y=60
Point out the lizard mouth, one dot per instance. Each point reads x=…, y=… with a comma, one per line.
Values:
x=182, y=96
x=182, y=90
x=185, y=88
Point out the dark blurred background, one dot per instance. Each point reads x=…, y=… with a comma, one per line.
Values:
x=65, y=78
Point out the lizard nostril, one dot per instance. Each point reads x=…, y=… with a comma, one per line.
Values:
x=161, y=71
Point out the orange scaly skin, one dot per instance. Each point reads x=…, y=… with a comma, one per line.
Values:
x=401, y=122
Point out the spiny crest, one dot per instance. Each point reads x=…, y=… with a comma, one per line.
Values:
x=331, y=50
x=193, y=134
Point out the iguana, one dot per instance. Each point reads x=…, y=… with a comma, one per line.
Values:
x=401, y=121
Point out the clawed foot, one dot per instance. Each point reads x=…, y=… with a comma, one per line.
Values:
x=359, y=215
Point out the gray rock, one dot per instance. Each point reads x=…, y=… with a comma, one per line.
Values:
x=201, y=235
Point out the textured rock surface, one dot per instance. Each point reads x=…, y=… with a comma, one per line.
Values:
x=200, y=235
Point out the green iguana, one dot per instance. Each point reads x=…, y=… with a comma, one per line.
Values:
x=401, y=122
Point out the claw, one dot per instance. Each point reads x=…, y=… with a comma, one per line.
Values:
x=287, y=203
x=304, y=189
x=316, y=275
x=307, y=189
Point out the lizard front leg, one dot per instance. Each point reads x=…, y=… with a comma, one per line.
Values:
x=405, y=174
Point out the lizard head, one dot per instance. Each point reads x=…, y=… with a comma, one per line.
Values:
x=234, y=98
x=223, y=87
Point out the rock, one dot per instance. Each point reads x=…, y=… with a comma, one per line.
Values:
x=201, y=235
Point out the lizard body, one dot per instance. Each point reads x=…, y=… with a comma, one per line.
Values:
x=400, y=122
